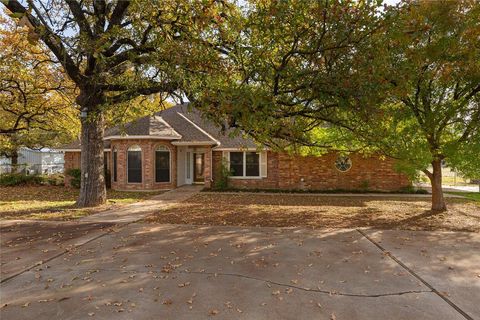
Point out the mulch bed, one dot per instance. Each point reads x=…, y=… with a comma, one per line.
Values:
x=406, y=213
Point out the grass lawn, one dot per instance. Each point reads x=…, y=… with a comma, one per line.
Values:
x=459, y=181
x=56, y=202
x=475, y=196
x=322, y=211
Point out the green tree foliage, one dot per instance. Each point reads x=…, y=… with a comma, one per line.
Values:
x=402, y=81
x=431, y=112
x=291, y=66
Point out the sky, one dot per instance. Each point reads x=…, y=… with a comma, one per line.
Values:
x=391, y=1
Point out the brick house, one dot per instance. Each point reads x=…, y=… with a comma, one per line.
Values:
x=178, y=147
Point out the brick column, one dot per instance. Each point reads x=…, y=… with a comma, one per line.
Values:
x=208, y=167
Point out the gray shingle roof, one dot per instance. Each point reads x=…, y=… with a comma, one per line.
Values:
x=146, y=126
x=188, y=130
x=227, y=138
x=179, y=123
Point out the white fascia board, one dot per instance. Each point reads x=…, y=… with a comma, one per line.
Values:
x=239, y=149
x=75, y=150
x=141, y=137
x=194, y=143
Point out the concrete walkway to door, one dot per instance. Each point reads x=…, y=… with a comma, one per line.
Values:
x=139, y=210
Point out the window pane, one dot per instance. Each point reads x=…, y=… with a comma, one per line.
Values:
x=134, y=166
x=236, y=163
x=253, y=164
x=162, y=166
x=115, y=166
x=105, y=163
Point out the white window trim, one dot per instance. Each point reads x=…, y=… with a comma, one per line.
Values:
x=167, y=149
x=244, y=176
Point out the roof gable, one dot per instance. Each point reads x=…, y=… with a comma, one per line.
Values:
x=153, y=126
x=181, y=123
x=226, y=138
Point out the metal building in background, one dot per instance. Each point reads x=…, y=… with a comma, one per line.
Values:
x=44, y=161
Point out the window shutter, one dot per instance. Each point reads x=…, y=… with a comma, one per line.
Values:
x=263, y=164
x=226, y=158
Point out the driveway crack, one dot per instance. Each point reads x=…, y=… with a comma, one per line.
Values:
x=280, y=284
x=418, y=277
x=318, y=290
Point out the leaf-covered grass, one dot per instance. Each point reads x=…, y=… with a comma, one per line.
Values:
x=56, y=202
x=377, y=212
x=458, y=181
x=475, y=196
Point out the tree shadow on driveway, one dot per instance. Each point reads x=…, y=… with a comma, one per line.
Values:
x=148, y=271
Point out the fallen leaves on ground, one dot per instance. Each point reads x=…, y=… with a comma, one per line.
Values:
x=56, y=202
x=407, y=213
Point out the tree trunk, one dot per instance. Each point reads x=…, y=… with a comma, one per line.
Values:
x=14, y=161
x=438, y=201
x=92, y=186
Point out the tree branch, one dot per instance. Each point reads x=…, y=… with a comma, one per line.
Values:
x=49, y=38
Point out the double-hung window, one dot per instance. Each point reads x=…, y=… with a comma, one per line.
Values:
x=245, y=164
x=162, y=164
x=134, y=164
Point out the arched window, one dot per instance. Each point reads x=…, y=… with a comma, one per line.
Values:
x=162, y=164
x=134, y=164
x=114, y=164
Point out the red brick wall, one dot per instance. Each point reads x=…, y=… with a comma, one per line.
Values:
x=207, y=167
x=148, y=165
x=72, y=161
x=319, y=173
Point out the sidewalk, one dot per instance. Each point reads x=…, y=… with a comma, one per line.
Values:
x=139, y=210
x=313, y=194
x=450, y=188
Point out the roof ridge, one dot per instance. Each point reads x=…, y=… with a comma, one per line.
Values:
x=160, y=118
x=199, y=128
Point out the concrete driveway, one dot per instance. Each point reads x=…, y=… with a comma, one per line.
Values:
x=154, y=271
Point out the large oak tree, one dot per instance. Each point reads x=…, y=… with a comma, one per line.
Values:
x=431, y=111
x=398, y=80
x=295, y=65
x=435, y=60
x=115, y=51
